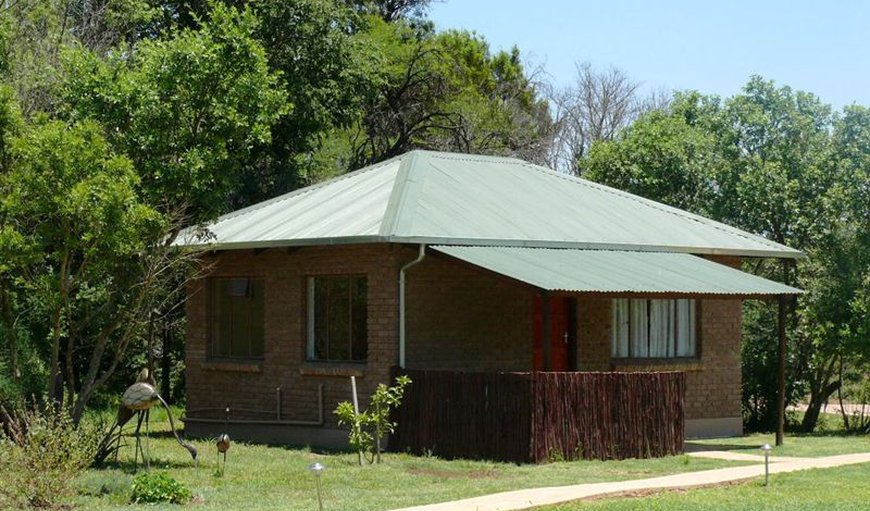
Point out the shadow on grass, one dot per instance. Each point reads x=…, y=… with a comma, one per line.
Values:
x=129, y=467
x=697, y=447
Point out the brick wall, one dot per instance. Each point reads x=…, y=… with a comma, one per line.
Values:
x=464, y=318
x=458, y=317
x=212, y=384
x=593, y=334
x=713, y=380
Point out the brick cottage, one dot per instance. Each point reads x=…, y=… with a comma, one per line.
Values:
x=463, y=263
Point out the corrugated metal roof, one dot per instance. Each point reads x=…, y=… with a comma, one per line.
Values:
x=350, y=207
x=616, y=271
x=459, y=199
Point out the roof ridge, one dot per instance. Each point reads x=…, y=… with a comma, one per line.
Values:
x=447, y=155
x=398, y=195
x=665, y=208
x=302, y=191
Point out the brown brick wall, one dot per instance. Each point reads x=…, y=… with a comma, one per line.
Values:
x=713, y=381
x=461, y=317
x=458, y=317
x=593, y=334
x=253, y=386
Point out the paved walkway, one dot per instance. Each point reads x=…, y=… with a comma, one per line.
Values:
x=523, y=499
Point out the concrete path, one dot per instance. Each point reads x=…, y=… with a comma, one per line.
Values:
x=741, y=456
x=523, y=499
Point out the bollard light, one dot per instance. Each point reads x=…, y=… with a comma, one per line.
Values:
x=317, y=469
x=766, y=448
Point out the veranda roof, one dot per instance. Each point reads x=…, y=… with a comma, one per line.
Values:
x=616, y=271
x=459, y=199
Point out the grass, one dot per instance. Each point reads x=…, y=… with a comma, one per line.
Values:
x=263, y=477
x=801, y=446
x=841, y=489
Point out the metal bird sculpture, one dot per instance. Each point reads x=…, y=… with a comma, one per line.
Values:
x=140, y=398
x=223, y=445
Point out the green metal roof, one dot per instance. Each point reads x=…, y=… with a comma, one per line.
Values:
x=459, y=199
x=616, y=271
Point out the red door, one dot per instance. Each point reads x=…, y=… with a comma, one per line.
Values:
x=558, y=335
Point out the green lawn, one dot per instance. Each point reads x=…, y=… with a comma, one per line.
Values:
x=832, y=489
x=809, y=446
x=262, y=477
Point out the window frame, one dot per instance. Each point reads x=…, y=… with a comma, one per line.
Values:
x=212, y=351
x=310, y=324
x=698, y=328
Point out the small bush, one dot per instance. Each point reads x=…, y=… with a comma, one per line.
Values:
x=40, y=456
x=368, y=428
x=152, y=487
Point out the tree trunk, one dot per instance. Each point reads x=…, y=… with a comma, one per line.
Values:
x=11, y=336
x=56, y=320
x=818, y=398
x=166, y=362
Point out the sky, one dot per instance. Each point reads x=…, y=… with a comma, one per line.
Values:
x=821, y=47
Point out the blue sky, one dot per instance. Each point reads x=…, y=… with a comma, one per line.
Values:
x=821, y=47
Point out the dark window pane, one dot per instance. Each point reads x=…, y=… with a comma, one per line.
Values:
x=258, y=318
x=339, y=319
x=359, y=349
x=237, y=318
x=340, y=316
x=321, y=318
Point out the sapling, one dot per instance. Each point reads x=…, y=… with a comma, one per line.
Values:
x=369, y=427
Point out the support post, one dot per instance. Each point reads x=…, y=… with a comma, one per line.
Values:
x=780, y=379
x=546, y=332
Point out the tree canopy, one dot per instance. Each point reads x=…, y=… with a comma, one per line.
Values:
x=121, y=121
x=780, y=163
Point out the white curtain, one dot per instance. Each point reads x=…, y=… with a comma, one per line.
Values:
x=685, y=323
x=639, y=329
x=661, y=329
x=653, y=328
x=620, y=328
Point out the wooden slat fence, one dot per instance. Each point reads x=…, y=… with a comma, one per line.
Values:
x=536, y=417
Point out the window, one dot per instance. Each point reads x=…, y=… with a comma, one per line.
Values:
x=237, y=318
x=653, y=328
x=337, y=319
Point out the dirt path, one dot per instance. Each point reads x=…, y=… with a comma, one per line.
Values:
x=834, y=407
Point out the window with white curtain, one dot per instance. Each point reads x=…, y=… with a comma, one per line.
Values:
x=653, y=328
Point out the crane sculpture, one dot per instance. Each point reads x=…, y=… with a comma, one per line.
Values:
x=139, y=398
x=223, y=445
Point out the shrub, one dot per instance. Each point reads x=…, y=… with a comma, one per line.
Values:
x=151, y=487
x=41, y=454
x=369, y=427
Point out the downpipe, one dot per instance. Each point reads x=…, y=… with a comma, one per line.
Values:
x=402, y=303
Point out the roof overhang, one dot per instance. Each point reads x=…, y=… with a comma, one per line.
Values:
x=617, y=272
x=190, y=240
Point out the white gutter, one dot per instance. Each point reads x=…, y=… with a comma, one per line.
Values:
x=402, y=303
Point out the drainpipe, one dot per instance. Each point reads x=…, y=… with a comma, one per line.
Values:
x=402, y=303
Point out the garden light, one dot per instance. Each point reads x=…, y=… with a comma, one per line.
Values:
x=317, y=470
x=766, y=448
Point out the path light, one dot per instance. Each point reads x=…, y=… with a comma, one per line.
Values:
x=317, y=470
x=766, y=448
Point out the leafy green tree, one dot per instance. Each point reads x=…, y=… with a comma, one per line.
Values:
x=670, y=155
x=445, y=91
x=188, y=110
x=329, y=72
x=779, y=163
x=75, y=203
